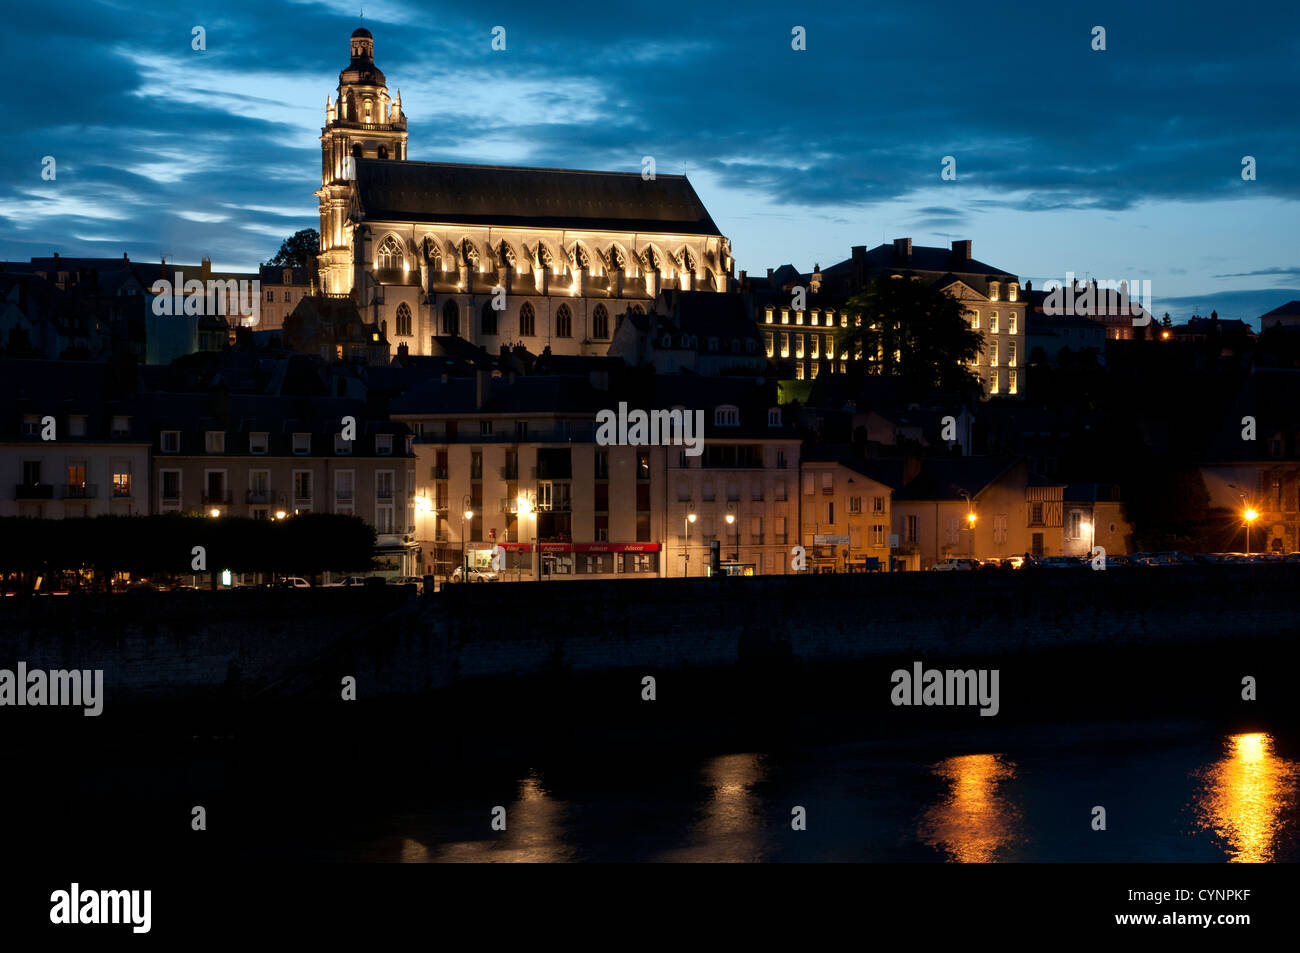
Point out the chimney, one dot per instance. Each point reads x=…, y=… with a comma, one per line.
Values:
x=769, y=275
x=205, y=269
x=961, y=250
x=482, y=388
x=403, y=355
x=126, y=261
x=903, y=248
x=859, y=266
x=911, y=468
x=56, y=261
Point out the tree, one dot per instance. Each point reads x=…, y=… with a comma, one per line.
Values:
x=916, y=331
x=297, y=250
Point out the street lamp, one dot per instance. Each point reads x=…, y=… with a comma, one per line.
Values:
x=524, y=507
x=686, y=544
x=280, y=514
x=1250, y=516
x=970, y=520
x=464, y=553
x=731, y=519
x=214, y=512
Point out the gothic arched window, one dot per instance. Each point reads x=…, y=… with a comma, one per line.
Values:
x=527, y=321
x=489, y=318
x=564, y=322
x=600, y=322
x=403, y=320
x=390, y=255
x=450, y=318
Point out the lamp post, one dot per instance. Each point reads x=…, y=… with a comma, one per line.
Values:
x=464, y=553
x=686, y=544
x=524, y=507
x=970, y=520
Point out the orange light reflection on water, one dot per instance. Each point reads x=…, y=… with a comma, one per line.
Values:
x=1243, y=797
x=975, y=819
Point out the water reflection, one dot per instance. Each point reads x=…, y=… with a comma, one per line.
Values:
x=534, y=832
x=731, y=827
x=1243, y=796
x=975, y=819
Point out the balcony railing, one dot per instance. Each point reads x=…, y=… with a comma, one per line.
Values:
x=217, y=496
x=79, y=491
x=34, y=491
x=260, y=496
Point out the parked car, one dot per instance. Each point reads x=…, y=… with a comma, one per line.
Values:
x=956, y=563
x=416, y=581
x=294, y=582
x=475, y=575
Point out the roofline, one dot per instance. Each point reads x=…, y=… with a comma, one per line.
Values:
x=511, y=168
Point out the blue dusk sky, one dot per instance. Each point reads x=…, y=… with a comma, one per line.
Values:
x=1119, y=164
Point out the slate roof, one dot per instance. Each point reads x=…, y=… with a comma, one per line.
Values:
x=923, y=258
x=945, y=478
x=1291, y=309
x=529, y=197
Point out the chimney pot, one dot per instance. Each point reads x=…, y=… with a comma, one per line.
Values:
x=903, y=247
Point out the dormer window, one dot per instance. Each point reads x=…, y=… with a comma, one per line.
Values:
x=214, y=441
x=728, y=415
x=169, y=441
x=342, y=447
x=1013, y=291
x=995, y=289
x=774, y=417
x=769, y=315
x=257, y=442
x=286, y=277
x=302, y=443
x=713, y=344
x=121, y=426
x=77, y=425
x=384, y=445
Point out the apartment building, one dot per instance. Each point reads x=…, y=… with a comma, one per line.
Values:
x=68, y=446
x=274, y=457
x=516, y=462
x=845, y=516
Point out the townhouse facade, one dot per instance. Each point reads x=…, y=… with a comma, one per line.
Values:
x=845, y=518
x=273, y=458
x=65, y=450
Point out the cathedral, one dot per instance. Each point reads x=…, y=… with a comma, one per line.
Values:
x=495, y=255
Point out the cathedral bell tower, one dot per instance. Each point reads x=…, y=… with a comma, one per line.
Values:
x=363, y=123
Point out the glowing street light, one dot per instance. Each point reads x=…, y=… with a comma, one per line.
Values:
x=280, y=514
x=214, y=512
x=686, y=544
x=1250, y=516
